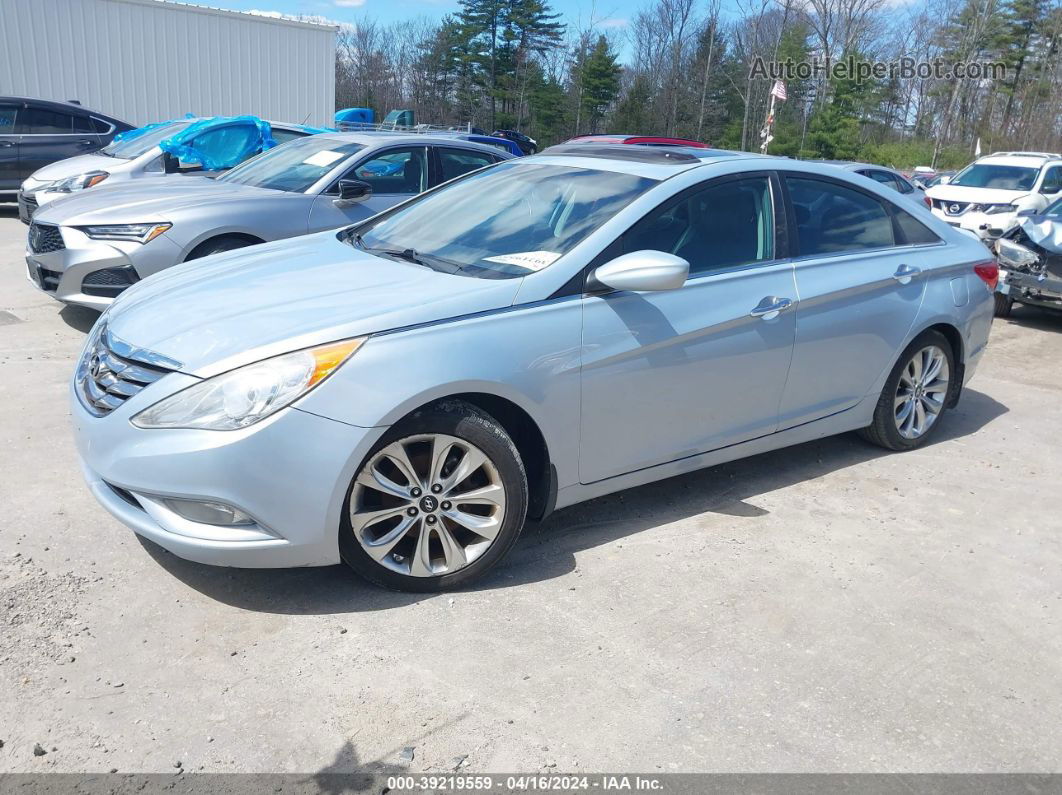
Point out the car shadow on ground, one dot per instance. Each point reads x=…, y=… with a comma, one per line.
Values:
x=549, y=549
x=1034, y=317
x=79, y=318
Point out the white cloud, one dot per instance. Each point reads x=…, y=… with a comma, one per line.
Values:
x=348, y=3
x=612, y=22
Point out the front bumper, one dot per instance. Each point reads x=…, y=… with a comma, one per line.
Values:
x=1030, y=289
x=985, y=226
x=289, y=472
x=62, y=274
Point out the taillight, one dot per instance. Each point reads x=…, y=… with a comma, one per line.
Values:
x=988, y=272
x=928, y=201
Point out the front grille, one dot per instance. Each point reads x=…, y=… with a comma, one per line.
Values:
x=951, y=207
x=44, y=238
x=112, y=371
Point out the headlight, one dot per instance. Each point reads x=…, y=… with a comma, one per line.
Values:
x=138, y=233
x=996, y=209
x=80, y=182
x=1015, y=254
x=248, y=394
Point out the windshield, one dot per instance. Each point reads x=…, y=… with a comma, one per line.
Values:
x=507, y=220
x=134, y=147
x=987, y=175
x=293, y=166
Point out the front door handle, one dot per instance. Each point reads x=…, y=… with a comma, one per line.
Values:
x=905, y=273
x=86, y=143
x=7, y=143
x=771, y=307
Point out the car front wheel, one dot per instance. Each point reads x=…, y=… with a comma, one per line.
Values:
x=439, y=500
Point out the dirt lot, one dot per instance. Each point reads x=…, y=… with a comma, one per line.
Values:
x=824, y=608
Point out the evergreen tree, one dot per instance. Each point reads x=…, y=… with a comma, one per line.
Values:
x=600, y=79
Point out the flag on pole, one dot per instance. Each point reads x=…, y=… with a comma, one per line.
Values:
x=778, y=90
x=977, y=149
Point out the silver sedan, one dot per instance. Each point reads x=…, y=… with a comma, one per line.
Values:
x=403, y=394
x=88, y=248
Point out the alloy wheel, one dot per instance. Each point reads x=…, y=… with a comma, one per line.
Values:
x=921, y=392
x=427, y=505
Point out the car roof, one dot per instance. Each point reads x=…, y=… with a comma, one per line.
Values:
x=383, y=138
x=67, y=107
x=643, y=161
x=1025, y=159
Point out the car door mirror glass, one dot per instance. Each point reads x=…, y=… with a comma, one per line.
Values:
x=645, y=270
x=352, y=191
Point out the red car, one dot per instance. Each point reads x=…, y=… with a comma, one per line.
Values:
x=640, y=140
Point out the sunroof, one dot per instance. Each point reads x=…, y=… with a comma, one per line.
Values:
x=641, y=154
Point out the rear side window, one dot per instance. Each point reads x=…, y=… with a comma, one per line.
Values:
x=38, y=121
x=831, y=218
x=911, y=230
x=7, y=119
x=283, y=136
x=455, y=162
x=100, y=126
x=720, y=226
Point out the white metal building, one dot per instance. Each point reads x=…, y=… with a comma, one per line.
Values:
x=150, y=60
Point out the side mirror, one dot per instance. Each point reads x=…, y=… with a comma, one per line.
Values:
x=352, y=191
x=640, y=271
x=1025, y=213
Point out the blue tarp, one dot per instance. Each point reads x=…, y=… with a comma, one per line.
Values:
x=216, y=143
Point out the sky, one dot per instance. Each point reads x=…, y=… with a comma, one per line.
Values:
x=607, y=15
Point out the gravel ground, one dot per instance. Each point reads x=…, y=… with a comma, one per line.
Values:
x=824, y=608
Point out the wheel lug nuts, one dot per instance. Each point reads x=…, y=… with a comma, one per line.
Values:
x=415, y=492
x=446, y=506
x=436, y=489
x=412, y=511
x=431, y=519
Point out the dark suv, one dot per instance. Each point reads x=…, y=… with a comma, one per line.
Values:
x=36, y=132
x=527, y=145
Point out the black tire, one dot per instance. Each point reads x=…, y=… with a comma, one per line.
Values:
x=1004, y=305
x=883, y=431
x=468, y=423
x=217, y=245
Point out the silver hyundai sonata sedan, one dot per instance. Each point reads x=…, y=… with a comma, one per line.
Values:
x=403, y=394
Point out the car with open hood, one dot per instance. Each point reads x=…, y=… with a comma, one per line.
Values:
x=986, y=196
x=200, y=146
x=88, y=248
x=404, y=393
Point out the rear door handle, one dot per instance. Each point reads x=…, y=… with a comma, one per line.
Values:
x=771, y=307
x=905, y=273
x=7, y=143
x=86, y=143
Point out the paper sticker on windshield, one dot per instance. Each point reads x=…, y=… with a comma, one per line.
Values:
x=532, y=260
x=325, y=157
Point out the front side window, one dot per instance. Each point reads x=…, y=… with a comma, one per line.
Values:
x=396, y=171
x=1052, y=180
x=831, y=218
x=294, y=167
x=283, y=136
x=83, y=124
x=989, y=175
x=38, y=121
x=455, y=162
x=506, y=221
x=717, y=227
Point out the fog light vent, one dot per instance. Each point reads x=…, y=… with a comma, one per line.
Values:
x=204, y=512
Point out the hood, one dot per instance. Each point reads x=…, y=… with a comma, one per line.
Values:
x=958, y=193
x=137, y=202
x=223, y=311
x=1044, y=231
x=72, y=166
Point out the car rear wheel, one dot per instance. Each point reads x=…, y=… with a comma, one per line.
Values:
x=915, y=395
x=1004, y=304
x=439, y=500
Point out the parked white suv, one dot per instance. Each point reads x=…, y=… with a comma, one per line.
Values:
x=986, y=196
